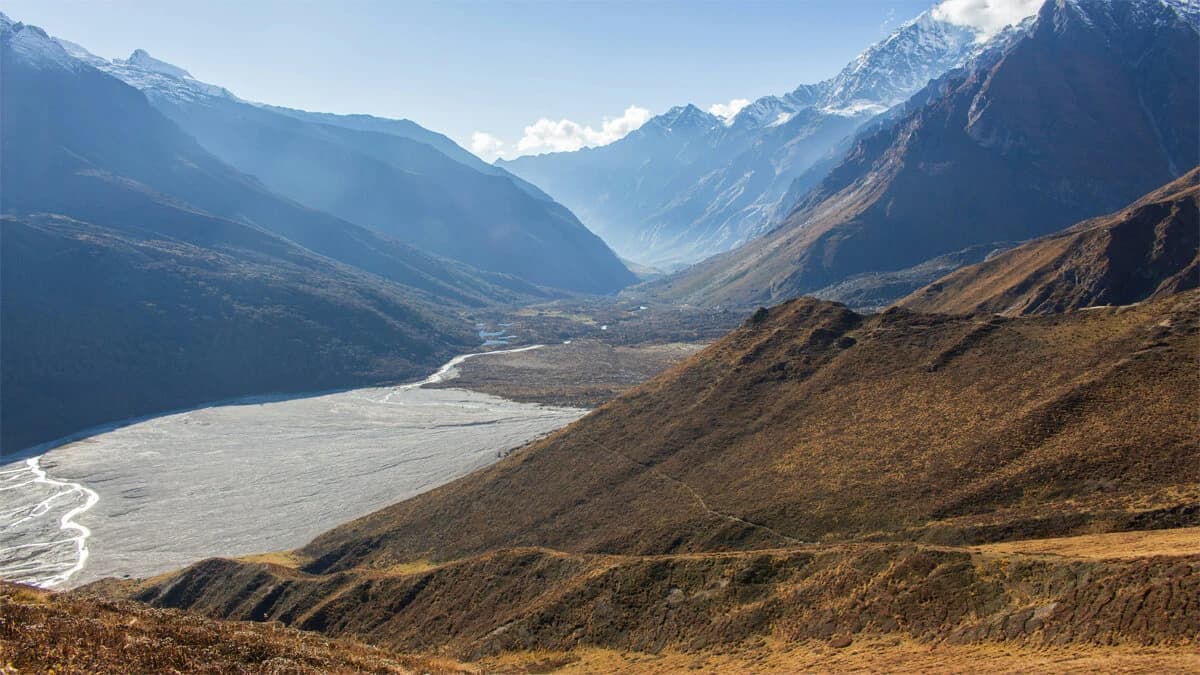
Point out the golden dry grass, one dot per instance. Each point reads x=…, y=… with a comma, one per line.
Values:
x=870, y=655
x=1110, y=545
x=42, y=632
x=292, y=559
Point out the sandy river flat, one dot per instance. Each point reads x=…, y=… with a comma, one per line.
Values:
x=238, y=479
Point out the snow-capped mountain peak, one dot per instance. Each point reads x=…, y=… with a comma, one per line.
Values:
x=771, y=111
x=33, y=45
x=893, y=69
x=148, y=74
x=683, y=118
x=142, y=59
x=689, y=115
x=882, y=76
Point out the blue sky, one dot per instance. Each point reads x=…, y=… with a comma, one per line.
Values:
x=486, y=67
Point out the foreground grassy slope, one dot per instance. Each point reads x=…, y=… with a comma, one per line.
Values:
x=49, y=633
x=812, y=423
x=1149, y=249
x=531, y=599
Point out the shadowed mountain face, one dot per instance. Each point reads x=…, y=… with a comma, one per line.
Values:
x=688, y=184
x=1147, y=250
x=1094, y=106
x=390, y=175
x=81, y=143
x=106, y=323
x=141, y=274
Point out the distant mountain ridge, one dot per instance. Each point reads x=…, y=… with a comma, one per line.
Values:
x=411, y=130
x=688, y=184
x=141, y=274
x=72, y=131
x=391, y=175
x=1092, y=106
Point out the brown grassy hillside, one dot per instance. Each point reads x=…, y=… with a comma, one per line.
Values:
x=517, y=601
x=1149, y=249
x=815, y=479
x=42, y=632
x=813, y=423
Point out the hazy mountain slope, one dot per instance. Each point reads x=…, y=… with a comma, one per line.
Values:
x=141, y=302
x=662, y=206
x=1149, y=249
x=411, y=130
x=404, y=188
x=103, y=324
x=749, y=194
x=739, y=200
x=615, y=186
x=1096, y=105
x=74, y=135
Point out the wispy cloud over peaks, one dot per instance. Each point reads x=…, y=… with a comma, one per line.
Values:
x=547, y=135
x=727, y=111
x=486, y=146
x=987, y=17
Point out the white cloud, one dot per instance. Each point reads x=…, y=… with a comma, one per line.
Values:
x=728, y=110
x=565, y=135
x=985, y=16
x=486, y=146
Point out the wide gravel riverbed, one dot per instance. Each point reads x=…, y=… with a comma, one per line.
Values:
x=259, y=475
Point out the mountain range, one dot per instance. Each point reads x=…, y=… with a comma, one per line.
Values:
x=994, y=454
x=816, y=476
x=1082, y=111
x=390, y=175
x=688, y=184
x=143, y=274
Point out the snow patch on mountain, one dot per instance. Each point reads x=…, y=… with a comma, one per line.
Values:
x=890, y=71
x=1188, y=9
x=148, y=74
x=142, y=71
x=33, y=46
x=886, y=74
x=142, y=59
x=782, y=119
x=151, y=75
